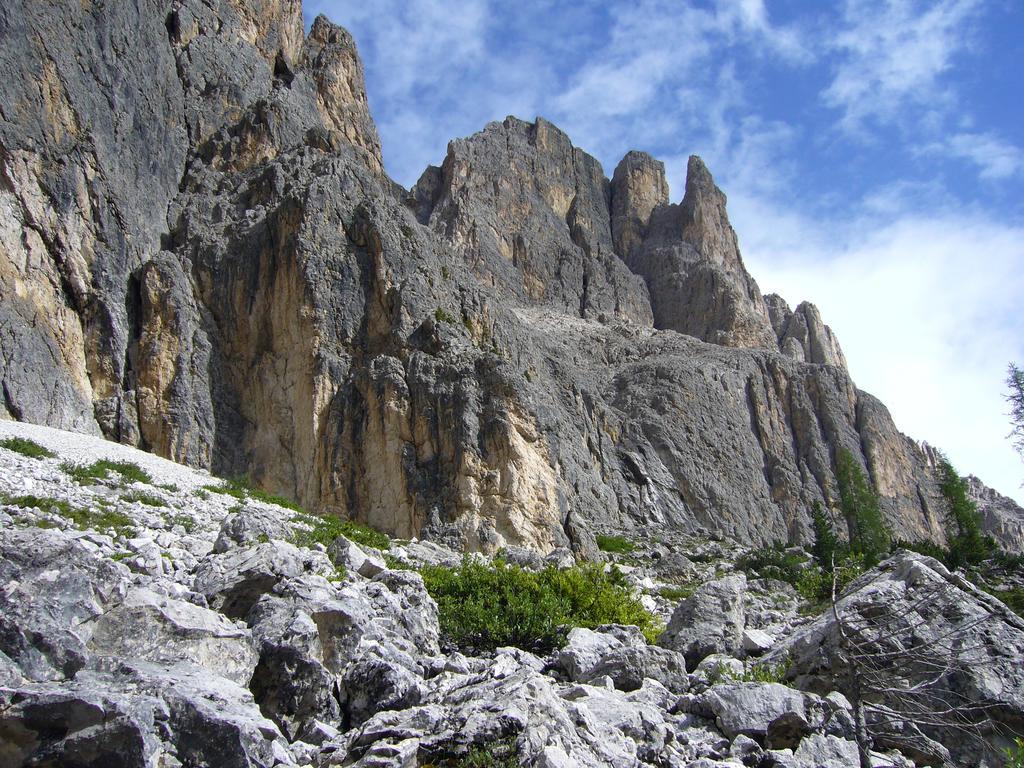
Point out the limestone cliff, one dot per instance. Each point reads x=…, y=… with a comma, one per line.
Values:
x=201, y=255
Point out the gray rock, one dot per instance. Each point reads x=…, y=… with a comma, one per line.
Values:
x=152, y=628
x=802, y=334
x=913, y=602
x=232, y=582
x=53, y=588
x=629, y=667
x=249, y=526
x=349, y=555
x=710, y=621
x=757, y=642
x=750, y=708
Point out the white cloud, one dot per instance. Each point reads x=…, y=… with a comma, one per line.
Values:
x=995, y=158
x=925, y=307
x=892, y=56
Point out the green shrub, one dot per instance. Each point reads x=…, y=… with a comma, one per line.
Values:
x=241, y=488
x=773, y=563
x=1015, y=754
x=27, y=447
x=443, y=316
x=617, y=544
x=1013, y=598
x=483, y=607
x=815, y=584
x=868, y=535
x=101, y=469
x=923, y=547
x=141, y=497
x=678, y=592
x=324, y=529
x=495, y=754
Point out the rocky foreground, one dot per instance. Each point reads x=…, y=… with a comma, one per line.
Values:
x=147, y=618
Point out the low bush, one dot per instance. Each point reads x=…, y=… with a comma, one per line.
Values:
x=101, y=469
x=773, y=563
x=617, y=544
x=482, y=607
x=26, y=447
x=815, y=584
x=324, y=529
x=241, y=488
x=677, y=592
x=495, y=754
x=141, y=497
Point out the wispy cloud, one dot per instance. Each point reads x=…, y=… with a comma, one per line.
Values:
x=925, y=306
x=994, y=157
x=892, y=55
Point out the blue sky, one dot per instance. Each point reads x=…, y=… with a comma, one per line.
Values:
x=872, y=152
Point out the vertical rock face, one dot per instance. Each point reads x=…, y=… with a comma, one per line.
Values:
x=528, y=212
x=689, y=257
x=802, y=334
x=516, y=352
x=331, y=58
x=638, y=187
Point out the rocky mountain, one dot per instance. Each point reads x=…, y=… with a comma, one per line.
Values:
x=202, y=256
x=153, y=617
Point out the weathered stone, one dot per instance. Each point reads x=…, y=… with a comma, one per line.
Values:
x=232, y=582
x=346, y=553
x=750, y=708
x=51, y=590
x=710, y=621
x=629, y=667
x=249, y=526
x=151, y=628
x=966, y=646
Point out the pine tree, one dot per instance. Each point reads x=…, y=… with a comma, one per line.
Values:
x=869, y=536
x=1015, y=397
x=825, y=541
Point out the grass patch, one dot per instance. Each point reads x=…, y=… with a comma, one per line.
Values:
x=758, y=673
x=169, y=487
x=616, y=544
x=496, y=754
x=185, y=521
x=242, y=488
x=680, y=592
x=27, y=447
x=483, y=607
x=141, y=497
x=84, y=519
x=324, y=529
x=101, y=470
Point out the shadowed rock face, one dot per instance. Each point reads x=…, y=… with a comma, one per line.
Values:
x=201, y=256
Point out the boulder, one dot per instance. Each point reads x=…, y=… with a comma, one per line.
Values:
x=710, y=621
x=628, y=667
x=51, y=590
x=233, y=581
x=345, y=553
x=149, y=627
x=929, y=636
x=249, y=526
x=750, y=708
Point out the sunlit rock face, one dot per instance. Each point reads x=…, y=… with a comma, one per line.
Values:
x=518, y=351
